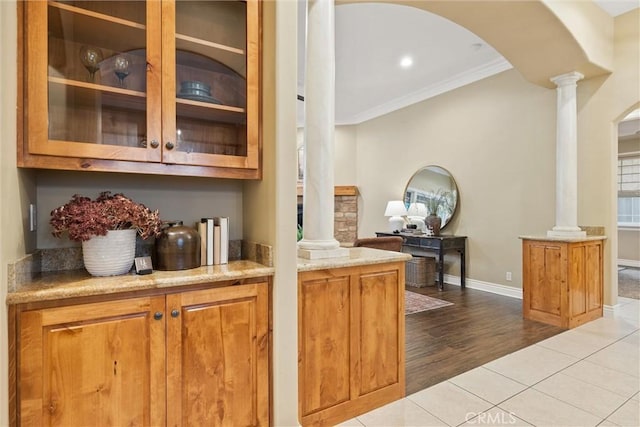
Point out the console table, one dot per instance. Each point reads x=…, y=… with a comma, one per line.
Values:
x=416, y=244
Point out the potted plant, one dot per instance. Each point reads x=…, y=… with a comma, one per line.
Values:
x=438, y=205
x=107, y=228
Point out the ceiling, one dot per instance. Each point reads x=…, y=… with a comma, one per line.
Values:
x=372, y=38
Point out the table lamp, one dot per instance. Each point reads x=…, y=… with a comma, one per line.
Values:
x=416, y=214
x=396, y=211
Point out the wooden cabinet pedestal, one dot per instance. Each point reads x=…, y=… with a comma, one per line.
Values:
x=350, y=341
x=562, y=280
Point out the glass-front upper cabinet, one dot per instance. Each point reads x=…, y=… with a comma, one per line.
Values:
x=211, y=107
x=88, y=92
x=153, y=87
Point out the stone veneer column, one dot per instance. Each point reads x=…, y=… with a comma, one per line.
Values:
x=318, y=202
x=566, y=158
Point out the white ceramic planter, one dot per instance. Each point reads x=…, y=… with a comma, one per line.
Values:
x=110, y=255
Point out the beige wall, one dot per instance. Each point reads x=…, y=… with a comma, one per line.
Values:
x=270, y=204
x=345, y=167
x=602, y=102
x=628, y=238
x=497, y=138
x=629, y=247
x=629, y=145
x=17, y=187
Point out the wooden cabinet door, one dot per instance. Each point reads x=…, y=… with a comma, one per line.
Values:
x=210, y=54
x=350, y=341
x=217, y=357
x=93, y=364
x=93, y=80
x=325, y=332
x=380, y=343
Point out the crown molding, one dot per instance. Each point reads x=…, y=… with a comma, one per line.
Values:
x=472, y=75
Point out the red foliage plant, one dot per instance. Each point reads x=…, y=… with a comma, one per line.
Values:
x=84, y=218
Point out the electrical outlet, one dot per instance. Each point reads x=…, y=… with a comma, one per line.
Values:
x=33, y=221
x=508, y=276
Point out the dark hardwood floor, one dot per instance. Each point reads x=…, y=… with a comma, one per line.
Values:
x=478, y=328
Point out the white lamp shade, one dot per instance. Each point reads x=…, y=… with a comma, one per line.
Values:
x=395, y=208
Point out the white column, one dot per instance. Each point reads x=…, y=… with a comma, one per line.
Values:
x=566, y=158
x=318, y=193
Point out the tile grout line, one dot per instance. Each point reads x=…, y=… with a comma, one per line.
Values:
x=545, y=378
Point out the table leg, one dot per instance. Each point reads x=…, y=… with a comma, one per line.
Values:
x=441, y=269
x=462, y=269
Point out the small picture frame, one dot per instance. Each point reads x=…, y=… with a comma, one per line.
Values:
x=143, y=265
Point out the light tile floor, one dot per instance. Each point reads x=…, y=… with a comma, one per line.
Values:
x=587, y=376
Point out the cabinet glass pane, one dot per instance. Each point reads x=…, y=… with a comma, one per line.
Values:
x=97, y=72
x=211, y=86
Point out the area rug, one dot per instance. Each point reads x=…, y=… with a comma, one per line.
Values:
x=629, y=282
x=415, y=303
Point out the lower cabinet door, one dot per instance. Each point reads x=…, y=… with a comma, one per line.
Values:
x=381, y=341
x=93, y=364
x=217, y=357
x=350, y=341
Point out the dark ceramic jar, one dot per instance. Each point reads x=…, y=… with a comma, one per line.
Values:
x=178, y=247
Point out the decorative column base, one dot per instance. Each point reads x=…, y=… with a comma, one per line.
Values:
x=569, y=232
x=323, y=253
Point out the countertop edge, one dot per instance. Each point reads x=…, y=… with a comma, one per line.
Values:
x=563, y=239
x=78, y=283
x=357, y=257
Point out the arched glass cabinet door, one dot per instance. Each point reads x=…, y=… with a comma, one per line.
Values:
x=432, y=189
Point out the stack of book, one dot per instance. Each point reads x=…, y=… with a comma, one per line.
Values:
x=214, y=240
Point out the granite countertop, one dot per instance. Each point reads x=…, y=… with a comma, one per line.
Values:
x=357, y=256
x=563, y=239
x=56, y=285
x=78, y=283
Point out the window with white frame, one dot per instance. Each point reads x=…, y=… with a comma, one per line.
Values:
x=629, y=191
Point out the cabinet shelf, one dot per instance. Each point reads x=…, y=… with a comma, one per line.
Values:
x=232, y=57
x=85, y=93
x=94, y=28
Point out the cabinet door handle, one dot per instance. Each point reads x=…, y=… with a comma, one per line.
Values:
x=169, y=145
x=154, y=143
x=175, y=313
x=157, y=315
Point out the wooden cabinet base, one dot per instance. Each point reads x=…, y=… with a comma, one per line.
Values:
x=562, y=281
x=352, y=408
x=177, y=356
x=350, y=341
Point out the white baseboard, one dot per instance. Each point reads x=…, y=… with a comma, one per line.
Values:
x=628, y=263
x=609, y=310
x=494, y=288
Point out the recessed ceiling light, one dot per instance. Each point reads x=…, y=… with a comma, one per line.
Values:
x=406, y=62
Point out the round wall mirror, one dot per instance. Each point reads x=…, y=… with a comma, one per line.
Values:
x=432, y=189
